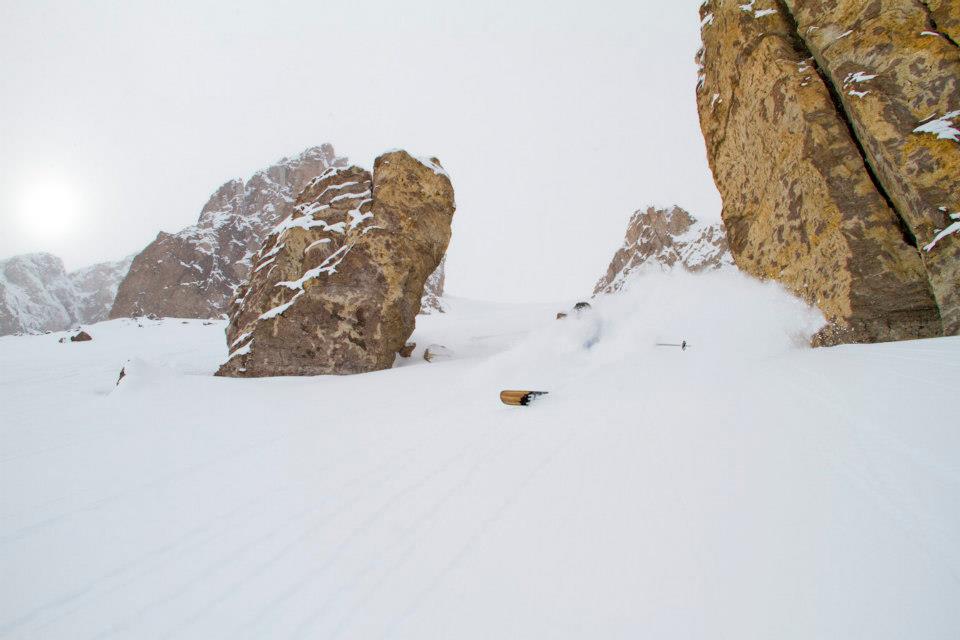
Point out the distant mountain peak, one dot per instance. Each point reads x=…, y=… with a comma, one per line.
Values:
x=194, y=273
x=37, y=294
x=662, y=239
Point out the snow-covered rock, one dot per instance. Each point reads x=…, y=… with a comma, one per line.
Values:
x=662, y=239
x=337, y=285
x=37, y=294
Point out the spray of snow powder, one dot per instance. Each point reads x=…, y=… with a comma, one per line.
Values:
x=728, y=319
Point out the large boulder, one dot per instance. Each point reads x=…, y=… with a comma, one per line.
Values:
x=337, y=285
x=813, y=114
x=662, y=239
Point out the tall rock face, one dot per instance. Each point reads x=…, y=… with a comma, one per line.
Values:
x=828, y=127
x=663, y=239
x=37, y=294
x=337, y=285
x=194, y=273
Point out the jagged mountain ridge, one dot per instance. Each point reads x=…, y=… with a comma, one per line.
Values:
x=37, y=294
x=195, y=272
x=662, y=239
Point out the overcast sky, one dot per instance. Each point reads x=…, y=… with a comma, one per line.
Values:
x=555, y=119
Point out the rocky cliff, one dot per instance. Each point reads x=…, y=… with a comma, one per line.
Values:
x=37, y=294
x=336, y=286
x=663, y=239
x=194, y=273
x=830, y=132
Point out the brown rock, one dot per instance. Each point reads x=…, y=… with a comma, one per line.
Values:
x=897, y=81
x=194, y=273
x=83, y=336
x=944, y=16
x=662, y=239
x=337, y=285
x=407, y=350
x=800, y=202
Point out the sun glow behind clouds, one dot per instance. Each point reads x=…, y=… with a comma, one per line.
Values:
x=49, y=209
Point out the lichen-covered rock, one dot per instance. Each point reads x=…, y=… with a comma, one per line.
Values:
x=801, y=203
x=944, y=16
x=195, y=273
x=898, y=81
x=662, y=239
x=337, y=285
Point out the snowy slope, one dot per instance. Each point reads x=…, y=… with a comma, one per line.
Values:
x=746, y=488
x=37, y=294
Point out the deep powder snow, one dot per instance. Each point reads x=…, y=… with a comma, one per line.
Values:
x=749, y=487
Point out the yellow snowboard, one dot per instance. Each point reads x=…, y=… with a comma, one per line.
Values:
x=520, y=398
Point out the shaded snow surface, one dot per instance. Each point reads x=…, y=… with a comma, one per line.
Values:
x=746, y=488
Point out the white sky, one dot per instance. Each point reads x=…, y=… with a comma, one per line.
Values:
x=555, y=119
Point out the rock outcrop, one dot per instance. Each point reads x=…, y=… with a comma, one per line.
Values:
x=829, y=130
x=37, y=294
x=662, y=239
x=194, y=273
x=337, y=285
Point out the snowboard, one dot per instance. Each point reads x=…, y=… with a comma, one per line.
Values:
x=520, y=398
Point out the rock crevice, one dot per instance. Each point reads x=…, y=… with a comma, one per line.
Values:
x=837, y=178
x=803, y=49
x=944, y=9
